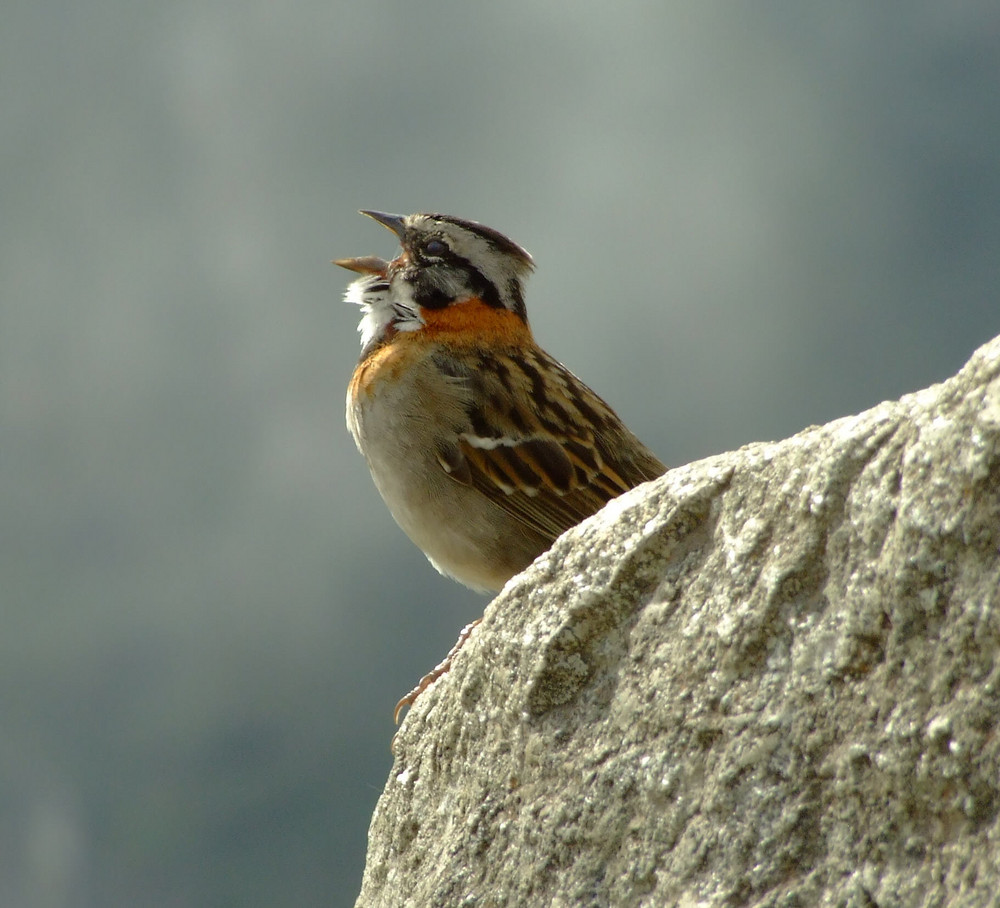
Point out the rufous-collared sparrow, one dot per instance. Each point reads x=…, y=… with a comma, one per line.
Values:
x=484, y=447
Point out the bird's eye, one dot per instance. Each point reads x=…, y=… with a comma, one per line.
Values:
x=435, y=248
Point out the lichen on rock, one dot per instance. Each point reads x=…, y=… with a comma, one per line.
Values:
x=767, y=678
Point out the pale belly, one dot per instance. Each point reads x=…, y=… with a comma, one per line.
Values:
x=462, y=532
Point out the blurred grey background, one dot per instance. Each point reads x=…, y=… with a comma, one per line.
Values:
x=746, y=219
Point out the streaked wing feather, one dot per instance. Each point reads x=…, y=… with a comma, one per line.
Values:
x=543, y=446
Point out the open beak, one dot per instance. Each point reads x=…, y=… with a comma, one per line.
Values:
x=372, y=264
x=393, y=221
x=364, y=264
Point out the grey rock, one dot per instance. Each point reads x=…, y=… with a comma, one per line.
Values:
x=767, y=678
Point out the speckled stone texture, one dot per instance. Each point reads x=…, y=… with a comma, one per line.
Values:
x=768, y=678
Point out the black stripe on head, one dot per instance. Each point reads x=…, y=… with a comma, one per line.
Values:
x=516, y=292
x=430, y=295
x=495, y=238
x=478, y=284
x=447, y=275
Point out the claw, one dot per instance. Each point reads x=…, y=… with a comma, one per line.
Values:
x=440, y=669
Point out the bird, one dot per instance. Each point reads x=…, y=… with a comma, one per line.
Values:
x=484, y=447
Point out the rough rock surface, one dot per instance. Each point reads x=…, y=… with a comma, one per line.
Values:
x=768, y=678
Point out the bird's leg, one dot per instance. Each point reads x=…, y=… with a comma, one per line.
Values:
x=440, y=669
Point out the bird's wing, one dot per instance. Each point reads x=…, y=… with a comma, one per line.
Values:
x=541, y=445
